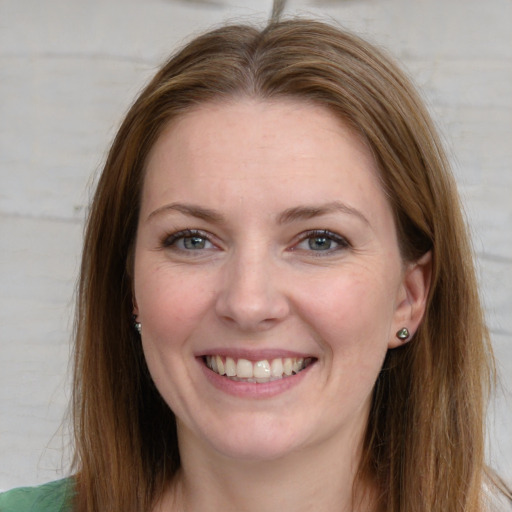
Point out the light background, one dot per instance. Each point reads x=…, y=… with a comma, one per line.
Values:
x=69, y=70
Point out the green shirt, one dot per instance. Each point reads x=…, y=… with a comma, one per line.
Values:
x=52, y=497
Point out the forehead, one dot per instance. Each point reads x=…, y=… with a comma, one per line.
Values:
x=274, y=148
x=227, y=113
x=296, y=126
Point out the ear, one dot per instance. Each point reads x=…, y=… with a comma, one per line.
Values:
x=129, y=271
x=412, y=298
x=135, y=308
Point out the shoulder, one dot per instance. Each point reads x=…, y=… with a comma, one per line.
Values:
x=51, y=497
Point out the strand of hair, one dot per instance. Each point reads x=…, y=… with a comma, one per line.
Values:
x=277, y=10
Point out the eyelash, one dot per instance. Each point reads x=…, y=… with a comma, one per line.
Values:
x=341, y=242
x=171, y=241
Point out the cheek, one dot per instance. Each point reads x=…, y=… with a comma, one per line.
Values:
x=352, y=315
x=170, y=302
x=172, y=306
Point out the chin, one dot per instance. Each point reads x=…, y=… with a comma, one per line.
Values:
x=256, y=449
x=257, y=440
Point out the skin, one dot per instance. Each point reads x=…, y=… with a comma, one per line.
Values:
x=254, y=180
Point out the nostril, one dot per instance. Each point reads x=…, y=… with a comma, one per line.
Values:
x=256, y=315
x=251, y=297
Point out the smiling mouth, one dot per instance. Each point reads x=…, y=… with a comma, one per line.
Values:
x=258, y=372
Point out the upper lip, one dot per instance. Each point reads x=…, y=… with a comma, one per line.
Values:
x=253, y=355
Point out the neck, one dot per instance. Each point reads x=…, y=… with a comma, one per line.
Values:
x=320, y=478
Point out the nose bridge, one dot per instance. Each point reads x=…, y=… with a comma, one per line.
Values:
x=249, y=294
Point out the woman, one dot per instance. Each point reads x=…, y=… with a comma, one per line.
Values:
x=277, y=305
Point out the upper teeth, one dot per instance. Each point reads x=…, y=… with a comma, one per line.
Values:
x=260, y=371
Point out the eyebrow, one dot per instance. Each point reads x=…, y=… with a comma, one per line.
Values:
x=287, y=216
x=309, y=212
x=191, y=210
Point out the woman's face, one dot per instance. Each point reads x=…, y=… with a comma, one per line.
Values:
x=267, y=277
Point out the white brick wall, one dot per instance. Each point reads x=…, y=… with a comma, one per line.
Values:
x=68, y=71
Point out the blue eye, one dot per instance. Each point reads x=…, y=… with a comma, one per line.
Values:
x=193, y=242
x=321, y=241
x=188, y=240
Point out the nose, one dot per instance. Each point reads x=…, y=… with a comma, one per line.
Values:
x=249, y=296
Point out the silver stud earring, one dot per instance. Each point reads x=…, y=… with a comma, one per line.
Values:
x=138, y=326
x=403, y=334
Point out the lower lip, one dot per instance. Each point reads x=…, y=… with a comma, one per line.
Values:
x=253, y=389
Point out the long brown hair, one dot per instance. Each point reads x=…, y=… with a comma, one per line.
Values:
x=424, y=443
